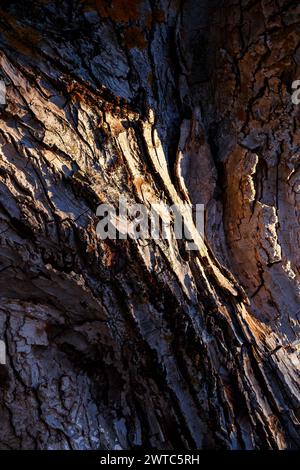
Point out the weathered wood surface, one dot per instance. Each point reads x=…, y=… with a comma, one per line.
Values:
x=123, y=344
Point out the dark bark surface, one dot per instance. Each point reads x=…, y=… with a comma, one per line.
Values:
x=128, y=344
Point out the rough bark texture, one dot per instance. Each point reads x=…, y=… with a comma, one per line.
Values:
x=127, y=344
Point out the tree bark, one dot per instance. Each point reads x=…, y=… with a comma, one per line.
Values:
x=126, y=344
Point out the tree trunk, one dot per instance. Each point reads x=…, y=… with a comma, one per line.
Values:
x=125, y=343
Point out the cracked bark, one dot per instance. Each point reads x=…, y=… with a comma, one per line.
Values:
x=129, y=344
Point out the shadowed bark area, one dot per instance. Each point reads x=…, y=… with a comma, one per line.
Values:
x=125, y=344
